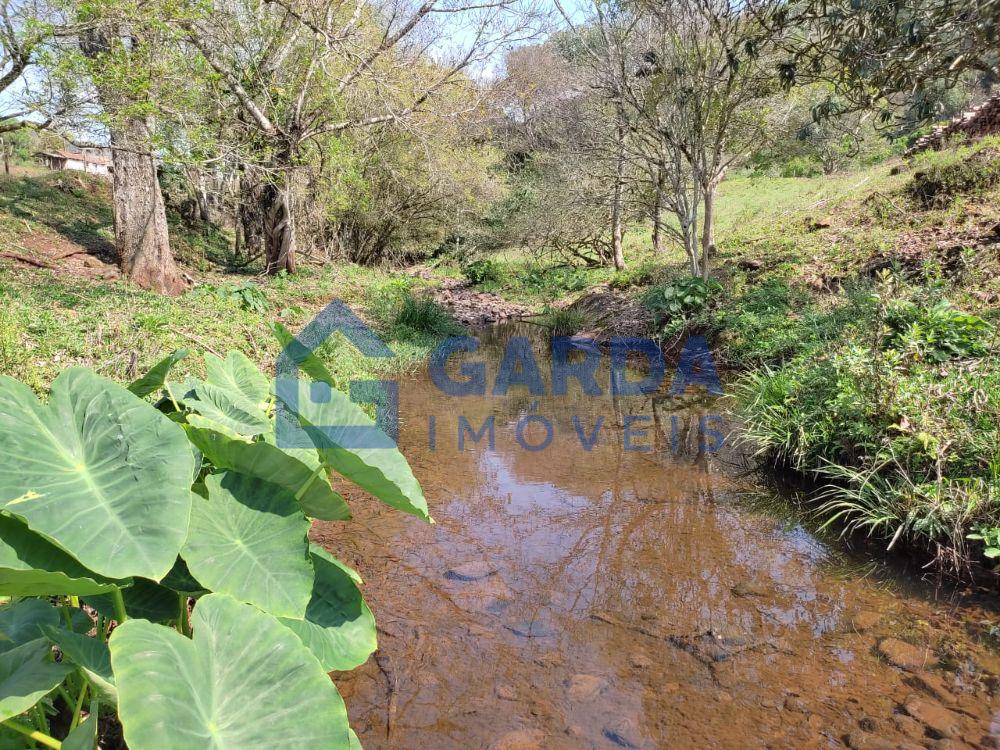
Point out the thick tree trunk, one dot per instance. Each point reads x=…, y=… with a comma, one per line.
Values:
x=279, y=229
x=617, y=208
x=142, y=239
x=250, y=217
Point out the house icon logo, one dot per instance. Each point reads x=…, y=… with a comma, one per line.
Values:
x=310, y=413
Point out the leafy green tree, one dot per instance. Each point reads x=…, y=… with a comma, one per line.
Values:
x=881, y=54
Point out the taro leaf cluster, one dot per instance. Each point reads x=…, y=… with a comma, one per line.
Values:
x=155, y=564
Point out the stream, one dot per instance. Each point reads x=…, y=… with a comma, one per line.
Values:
x=646, y=592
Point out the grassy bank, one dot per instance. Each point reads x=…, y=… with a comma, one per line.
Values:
x=54, y=318
x=868, y=339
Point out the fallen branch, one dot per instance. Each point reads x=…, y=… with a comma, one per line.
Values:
x=25, y=259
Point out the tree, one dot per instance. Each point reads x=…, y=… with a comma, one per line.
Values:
x=299, y=72
x=118, y=51
x=702, y=90
x=572, y=177
x=27, y=30
x=881, y=54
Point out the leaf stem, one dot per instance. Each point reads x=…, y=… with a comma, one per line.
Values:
x=67, y=698
x=79, y=706
x=182, y=614
x=309, y=483
x=119, y=601
x=34, y=734
x=38, y=714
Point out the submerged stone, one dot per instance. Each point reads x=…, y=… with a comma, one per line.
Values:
x=902, y=654
x=585, y=687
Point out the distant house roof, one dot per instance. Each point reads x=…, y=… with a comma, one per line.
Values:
x=78, y=156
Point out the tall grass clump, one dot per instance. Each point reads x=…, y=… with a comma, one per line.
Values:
x=564, y=321
x=425, y=316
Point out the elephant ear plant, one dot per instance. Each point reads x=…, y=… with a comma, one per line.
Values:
x=159, y=588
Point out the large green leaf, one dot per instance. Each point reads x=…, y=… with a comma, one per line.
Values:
x=27, y=674
x=228, y=408
x=249, y=540
x=355, y=742
x=339, y=628
x=301, y=355
x=238, y=374
x=309, y=484
x=180, y=580
x=33, y=566
x=98, y=471
x=331, y=426
x=23, y=621
x=157, y=376
x=89, y=654
x=84, y=737
x=243, y=682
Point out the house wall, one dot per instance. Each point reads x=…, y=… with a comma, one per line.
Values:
x=91, y=167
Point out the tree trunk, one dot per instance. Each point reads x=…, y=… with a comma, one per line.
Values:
x=279, y=229
x=142, y=239
x=204, y=206
x=708, y=230
x=6, y=157
x=617, y=212
x=658, y=213
x=250, y=218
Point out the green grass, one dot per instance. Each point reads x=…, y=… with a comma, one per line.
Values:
x=941, y=176
x=50, y=322
x=77, y=208
x=893, y=396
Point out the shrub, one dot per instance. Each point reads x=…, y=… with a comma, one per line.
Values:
x=910, y=447
x=937, y=333
x=801, y=166
x=675, y=305
x=554, y=282
x=943, y=175
x=246, y=296
x=640, y=275
x=174, y=510
x=482, y=271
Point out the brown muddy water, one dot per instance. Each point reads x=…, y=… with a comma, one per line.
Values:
x=618, y=598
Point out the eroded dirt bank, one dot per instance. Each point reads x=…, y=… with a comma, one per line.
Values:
x=637, y=595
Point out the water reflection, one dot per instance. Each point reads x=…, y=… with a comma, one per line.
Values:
x=619, y=598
